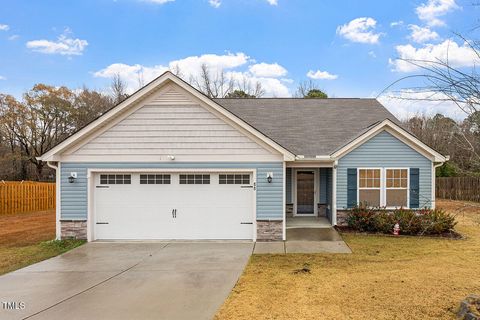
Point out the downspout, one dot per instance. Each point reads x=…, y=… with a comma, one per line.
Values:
x=56, y=167
x=334, y=193
x=434, y=175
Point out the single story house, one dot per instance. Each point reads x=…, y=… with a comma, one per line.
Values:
x=171, y=163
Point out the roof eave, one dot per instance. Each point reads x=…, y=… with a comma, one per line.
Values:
x=434, y=155
x=54, y=153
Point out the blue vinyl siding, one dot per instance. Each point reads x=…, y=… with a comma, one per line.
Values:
x=288, y=187
x=326, y=189
x=269, y=195
x=384, y=150
x=323, y=185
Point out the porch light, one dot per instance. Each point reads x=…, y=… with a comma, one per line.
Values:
x=72, y=177
x=269, y=177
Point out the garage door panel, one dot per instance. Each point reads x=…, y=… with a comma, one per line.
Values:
x=174, y=211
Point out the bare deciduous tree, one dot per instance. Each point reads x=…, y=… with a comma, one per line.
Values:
x=309, y=89
x=254, y=90
x=444, y=82
x=216, y=85
x=119, y=88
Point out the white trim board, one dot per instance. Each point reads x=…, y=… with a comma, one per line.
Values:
x=383, y=185
x=399, y=133
x=87, y=132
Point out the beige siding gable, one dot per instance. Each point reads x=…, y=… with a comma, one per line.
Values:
x=171, y=123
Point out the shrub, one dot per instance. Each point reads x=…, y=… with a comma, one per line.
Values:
x=412, y=222
x=362, y=218
x=438, y=221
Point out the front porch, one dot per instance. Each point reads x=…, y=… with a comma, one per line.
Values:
x=309, y=195
x=308, y=222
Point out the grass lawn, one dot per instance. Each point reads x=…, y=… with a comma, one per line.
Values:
x=25, y=238
x=384, y=278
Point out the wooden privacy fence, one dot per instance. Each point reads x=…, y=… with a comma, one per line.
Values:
x=458, y=188
x=26, y=196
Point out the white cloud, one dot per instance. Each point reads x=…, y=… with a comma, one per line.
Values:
x=273, y=87
x=4, y=27
x=372, y=54
x=422, y=34
x=190, y=67
x=13, y=37
x=134, y=75
x=458, y=56
x=396, y=23
x=3, y=78
x=215, y=3
x=321, y=75
x=273, y=2
x=215, y=62
x=407, y=103
x=267, y=70
x=65, y=45
x=158, y=1
x=360, y=30
x=433, y=9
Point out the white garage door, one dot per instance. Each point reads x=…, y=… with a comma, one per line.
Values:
x=174, y=205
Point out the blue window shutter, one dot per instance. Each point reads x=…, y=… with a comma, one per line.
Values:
x=414, y=188
x=351, y=187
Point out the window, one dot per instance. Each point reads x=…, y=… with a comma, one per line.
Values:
x=369, y=187
x=378, y=187
x=115, y=179
x=194, y=179
x=396, y=187
x=154, y=179
x=234, y=179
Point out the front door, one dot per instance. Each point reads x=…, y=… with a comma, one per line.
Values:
x=306, y=192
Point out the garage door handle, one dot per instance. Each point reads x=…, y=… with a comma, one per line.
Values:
x=246, y=187
x=102, y=222
x=246, y=222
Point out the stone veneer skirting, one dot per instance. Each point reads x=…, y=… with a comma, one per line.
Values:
x=342, y=217
x=73, y=229
x=268, y=230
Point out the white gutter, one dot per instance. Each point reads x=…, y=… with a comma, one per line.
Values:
x=434, y=171
x=58, y=233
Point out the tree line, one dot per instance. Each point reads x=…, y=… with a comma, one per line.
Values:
x=46, y=115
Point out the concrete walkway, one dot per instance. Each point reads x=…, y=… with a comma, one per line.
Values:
x=114, y=280
x=305, y=240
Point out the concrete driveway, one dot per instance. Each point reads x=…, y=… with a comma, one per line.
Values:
x=143, y=280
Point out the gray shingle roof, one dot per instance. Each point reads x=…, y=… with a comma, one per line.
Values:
x=309, y=127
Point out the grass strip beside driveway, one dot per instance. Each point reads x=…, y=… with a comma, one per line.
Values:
x=27, y=238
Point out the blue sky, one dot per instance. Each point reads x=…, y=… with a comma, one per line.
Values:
x=347, y=47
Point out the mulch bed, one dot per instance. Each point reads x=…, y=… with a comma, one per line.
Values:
x=446, y=235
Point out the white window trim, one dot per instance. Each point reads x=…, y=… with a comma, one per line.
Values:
x=408, y=186
x=383, y=185
x=381, y=202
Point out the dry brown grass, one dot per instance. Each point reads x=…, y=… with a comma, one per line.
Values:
x=385, y=278
x=22, y=239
